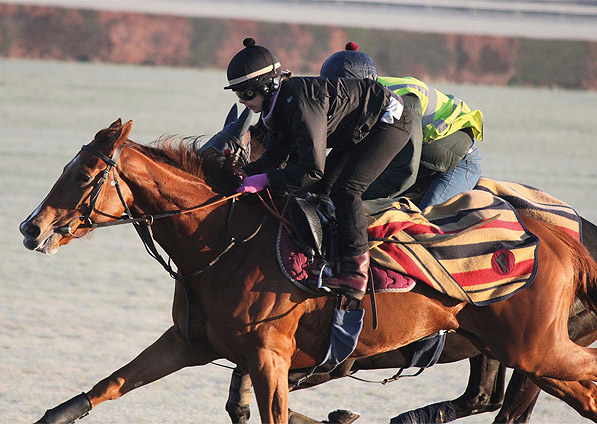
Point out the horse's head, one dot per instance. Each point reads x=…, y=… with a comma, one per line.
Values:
x=234, y=137
x=66, y=211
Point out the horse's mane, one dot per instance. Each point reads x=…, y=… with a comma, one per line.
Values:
x=183, y=153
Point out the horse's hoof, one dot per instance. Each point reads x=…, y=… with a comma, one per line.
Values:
x=68, y=412
x=238, y=414
x=342, y=416
x=296, y=418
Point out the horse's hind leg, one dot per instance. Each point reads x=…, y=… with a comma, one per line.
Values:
x=522, y=393
x=538, y=343
x=520, y=399
x=168, y=354
x=580, y=395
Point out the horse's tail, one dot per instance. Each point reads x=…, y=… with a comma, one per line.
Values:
x=586, y=288
x=584, y=267
x=585, y=271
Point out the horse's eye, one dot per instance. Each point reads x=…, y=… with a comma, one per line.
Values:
x=83, y=178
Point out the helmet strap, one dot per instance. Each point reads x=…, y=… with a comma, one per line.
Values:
x=270, y=87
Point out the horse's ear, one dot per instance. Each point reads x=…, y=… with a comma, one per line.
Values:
x=245, y=118
x=116, y=124
x=232, y=115
x=123, y=134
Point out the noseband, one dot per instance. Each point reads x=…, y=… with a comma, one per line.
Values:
x=110, y=164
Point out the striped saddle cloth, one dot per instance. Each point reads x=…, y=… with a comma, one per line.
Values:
x=474, y=247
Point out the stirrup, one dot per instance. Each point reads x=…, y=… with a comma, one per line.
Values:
x=320, y=285
x=349, y=293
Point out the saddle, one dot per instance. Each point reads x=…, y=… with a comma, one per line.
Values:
x=311, y=248
x=313, y=219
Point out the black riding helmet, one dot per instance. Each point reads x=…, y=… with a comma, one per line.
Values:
x=349, y=63
x=254, y=67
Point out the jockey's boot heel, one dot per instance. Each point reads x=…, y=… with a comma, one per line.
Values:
x=353, y=276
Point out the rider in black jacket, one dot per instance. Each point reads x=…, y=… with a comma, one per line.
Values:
x=442, y=164
x=363, y=123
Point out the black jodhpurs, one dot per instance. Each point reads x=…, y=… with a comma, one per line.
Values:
x=402, y=171
x=357, y=167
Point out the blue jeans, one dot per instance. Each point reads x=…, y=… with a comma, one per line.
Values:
x=447, y=185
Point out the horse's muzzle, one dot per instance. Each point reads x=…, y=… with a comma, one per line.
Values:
x=33, y=239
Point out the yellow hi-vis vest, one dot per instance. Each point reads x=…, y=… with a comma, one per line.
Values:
x=442, y=114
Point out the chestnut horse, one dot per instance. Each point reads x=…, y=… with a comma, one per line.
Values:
x=260, y=321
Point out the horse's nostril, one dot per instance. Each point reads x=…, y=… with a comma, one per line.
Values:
x=30, y=230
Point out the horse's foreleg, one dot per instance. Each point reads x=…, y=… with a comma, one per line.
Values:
x=239, y=394
x=484, y=393
x=239, y=397
x=269, y=374
x=168, y=354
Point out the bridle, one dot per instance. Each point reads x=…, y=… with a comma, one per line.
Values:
x=231, y=142
x=143, y=223
x=149, y=218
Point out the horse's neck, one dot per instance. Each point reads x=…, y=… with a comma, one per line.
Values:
x=157, y=187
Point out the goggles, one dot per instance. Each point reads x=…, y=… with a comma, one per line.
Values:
x=247, y=94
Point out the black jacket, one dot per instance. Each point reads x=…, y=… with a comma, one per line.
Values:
x=313, y=114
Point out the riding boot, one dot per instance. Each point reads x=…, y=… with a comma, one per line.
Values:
x=353, y=276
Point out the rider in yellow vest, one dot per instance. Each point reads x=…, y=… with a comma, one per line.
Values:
x=441, y=154
x=442, y=114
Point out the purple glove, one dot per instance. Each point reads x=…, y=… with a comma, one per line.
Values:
x=253, y=184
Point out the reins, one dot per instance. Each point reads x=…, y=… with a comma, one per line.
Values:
x=273, y=210
x=148, y=218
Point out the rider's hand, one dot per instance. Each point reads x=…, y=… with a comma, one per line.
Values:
x=253, y=184
x=241, y=174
